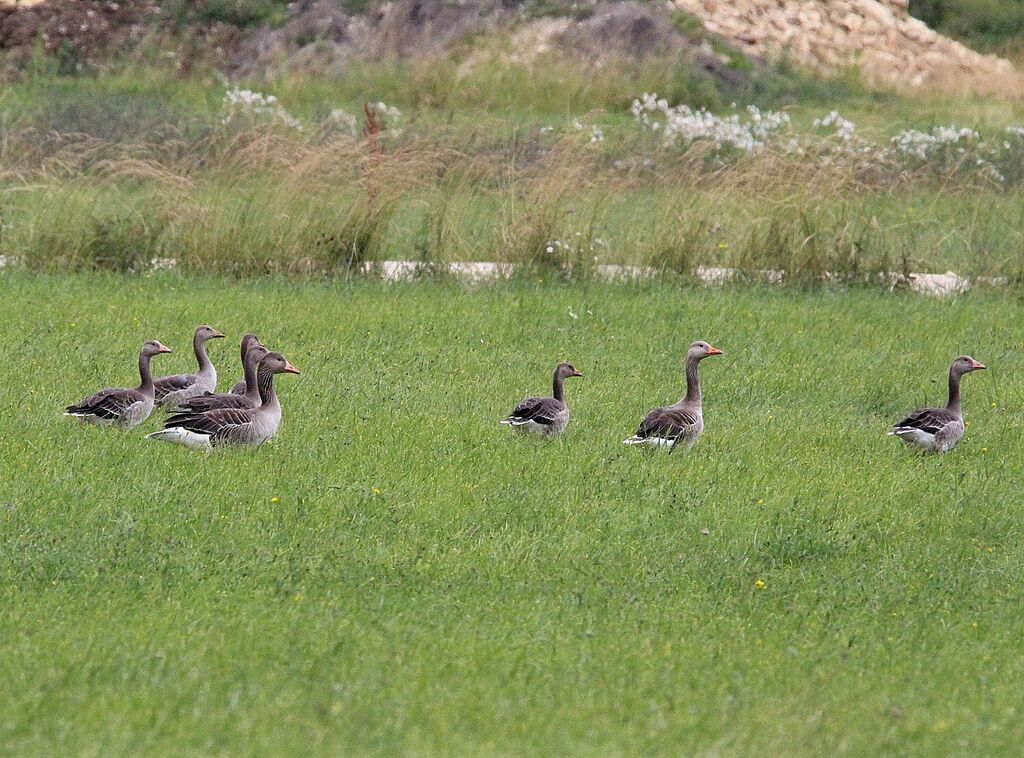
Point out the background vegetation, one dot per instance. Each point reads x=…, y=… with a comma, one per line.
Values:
x=482, y=153
x=990, y=25
x=496, y=165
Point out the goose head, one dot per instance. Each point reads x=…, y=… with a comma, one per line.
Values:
x=965, y=364
x=700, y=350
x=276, y=363
x=255, y=354
x=565, y=370
x=248, y=341
x=154, y=347
x=207, y=332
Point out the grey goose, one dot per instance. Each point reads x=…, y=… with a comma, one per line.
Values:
x=126, y=408
x=237, y=426
x=681, y=422
x=938, y=430
x=172, y=391
x=544, y=415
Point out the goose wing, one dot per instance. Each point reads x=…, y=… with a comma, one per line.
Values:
x=929, y=420
x=211, y=401
x=107, y=404
x=167, y=384
x=218, y=424
x=540, y=410
x=668, y=423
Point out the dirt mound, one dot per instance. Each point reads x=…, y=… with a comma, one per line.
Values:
x=78, y=34
x=628, y=30
x=321, y=37
x=878, y=36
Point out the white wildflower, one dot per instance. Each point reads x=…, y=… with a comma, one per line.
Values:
x=345, y=120
x=683, y=124
x=920, y=145
x=246, y=103
x=389, y=113
x=843, y=128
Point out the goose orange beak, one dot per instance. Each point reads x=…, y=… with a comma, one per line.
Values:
x=976, y=365
x=714, y=351
x=577, y=373
x=164, y=349
x=290, y=369
x=216, y=334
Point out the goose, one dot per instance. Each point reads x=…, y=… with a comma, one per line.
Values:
x=251, y=398
x=248, y=378
x=939, y=429
x=238, y=426
x=171, y=391
x=544, y=415
x=682, y=421
x=126, y=408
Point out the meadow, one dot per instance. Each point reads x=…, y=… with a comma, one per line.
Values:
x=395, y=573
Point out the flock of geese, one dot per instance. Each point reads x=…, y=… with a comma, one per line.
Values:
x=933, y=429
x=250, y=413
x=247, y=415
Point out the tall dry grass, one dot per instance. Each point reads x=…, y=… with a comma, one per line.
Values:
x=269, y=199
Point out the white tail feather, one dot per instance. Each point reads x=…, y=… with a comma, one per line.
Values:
x=180, y=436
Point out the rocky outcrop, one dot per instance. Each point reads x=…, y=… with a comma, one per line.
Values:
x=878, y=36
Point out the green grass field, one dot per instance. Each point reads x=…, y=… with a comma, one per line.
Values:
x=395, y=573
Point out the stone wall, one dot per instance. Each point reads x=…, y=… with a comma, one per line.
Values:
x=879, y=36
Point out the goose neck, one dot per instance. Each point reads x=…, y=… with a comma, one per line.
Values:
x=557, y=389
x=199, y=348
x=692, y=380
x=249, y=374
x=265, y=380
x=953, y=403
x=145, y=374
